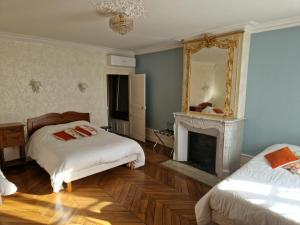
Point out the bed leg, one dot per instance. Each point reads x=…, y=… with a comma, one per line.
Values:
x=69, y=187
x=132, y=165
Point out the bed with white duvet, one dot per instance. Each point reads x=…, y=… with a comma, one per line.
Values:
x=256, y=194
x=66, y=161
x=6, y=187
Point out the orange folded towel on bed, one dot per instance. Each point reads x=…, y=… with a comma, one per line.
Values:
x=67, y=134
x=62, y=135
x=281, y=157
x=86, y=130
x=74, y=133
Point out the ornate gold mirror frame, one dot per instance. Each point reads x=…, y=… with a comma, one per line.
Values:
x=193, y=47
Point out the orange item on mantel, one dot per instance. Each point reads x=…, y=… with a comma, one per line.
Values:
x=217, y=110
x=62, y=135
x=281, y=157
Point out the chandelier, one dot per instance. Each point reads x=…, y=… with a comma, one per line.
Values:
x=121, y=13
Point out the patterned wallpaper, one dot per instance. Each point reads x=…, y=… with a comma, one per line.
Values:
x=59, y=69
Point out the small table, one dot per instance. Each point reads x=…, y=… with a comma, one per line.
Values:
x=165, y=132
x=11, y=135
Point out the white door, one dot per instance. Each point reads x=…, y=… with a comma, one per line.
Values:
x=137, y=106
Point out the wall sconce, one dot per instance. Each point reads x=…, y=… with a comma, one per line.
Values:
x=205, y=87
x=35, y=85
x=82, y=87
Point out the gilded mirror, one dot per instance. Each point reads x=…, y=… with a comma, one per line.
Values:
x=209, y=75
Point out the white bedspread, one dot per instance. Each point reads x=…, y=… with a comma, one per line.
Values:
x=60, y=158
x=255, y=194
x=6, y=187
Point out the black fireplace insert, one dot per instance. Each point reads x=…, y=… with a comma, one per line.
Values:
x=202, y=151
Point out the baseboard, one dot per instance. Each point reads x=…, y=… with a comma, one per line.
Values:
x=245, y=158
x=150, y=136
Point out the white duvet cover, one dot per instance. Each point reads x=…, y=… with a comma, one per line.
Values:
x=6, y=187
x=256, y=194
x=61, y=158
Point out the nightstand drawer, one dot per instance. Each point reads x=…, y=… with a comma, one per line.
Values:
x=13, y=137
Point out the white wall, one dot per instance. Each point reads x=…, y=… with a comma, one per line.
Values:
x=219, y=85
x=59, y=68
x=211, y=75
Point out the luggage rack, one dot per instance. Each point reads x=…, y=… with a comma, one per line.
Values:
x=164, y=132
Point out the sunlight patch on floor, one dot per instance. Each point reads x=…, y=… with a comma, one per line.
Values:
x=98, y=221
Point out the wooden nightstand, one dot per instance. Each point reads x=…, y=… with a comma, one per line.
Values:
x=11, y=135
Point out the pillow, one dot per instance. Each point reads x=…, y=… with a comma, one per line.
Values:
x=85, y=130
x=208, y=109
x=73, y=133
x=90, y=129
x=203, y=105
x=6, y=187
x=281, y=157
x=63, y=136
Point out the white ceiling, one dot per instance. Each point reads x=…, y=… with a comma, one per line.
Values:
x=165, y=22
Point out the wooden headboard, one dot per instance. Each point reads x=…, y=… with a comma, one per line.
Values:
x=53, y=119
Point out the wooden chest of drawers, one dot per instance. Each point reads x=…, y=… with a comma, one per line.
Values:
x=11, y=135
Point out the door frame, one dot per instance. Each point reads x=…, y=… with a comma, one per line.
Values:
x=106, y=80
x=107, y=73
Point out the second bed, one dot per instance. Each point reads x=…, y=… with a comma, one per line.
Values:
x=67, y=161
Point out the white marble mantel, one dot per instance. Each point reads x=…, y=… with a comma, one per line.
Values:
x=229, y=133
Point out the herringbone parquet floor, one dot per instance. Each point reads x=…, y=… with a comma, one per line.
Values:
x=153, y=195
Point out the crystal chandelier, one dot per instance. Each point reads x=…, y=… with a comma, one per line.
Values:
x=121, y=13
x=121, y=24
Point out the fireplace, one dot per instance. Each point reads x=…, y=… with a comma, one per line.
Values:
x=213, y=145
x=202, y=151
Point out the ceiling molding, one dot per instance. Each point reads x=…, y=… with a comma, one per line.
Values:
x=275, y=25
x=68, y=44
x=158, y=48
x=217, y=31
x=251, y=27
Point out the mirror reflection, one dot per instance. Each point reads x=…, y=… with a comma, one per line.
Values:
x=208, y=81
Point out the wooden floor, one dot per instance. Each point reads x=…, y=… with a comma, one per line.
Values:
x=153, y=195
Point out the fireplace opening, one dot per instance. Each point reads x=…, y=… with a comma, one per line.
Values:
x=202, y=151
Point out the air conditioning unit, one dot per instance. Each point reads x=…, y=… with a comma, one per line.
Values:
x=114, y=60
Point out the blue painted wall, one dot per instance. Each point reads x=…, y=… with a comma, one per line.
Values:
x=273, y=90
x=164, y=74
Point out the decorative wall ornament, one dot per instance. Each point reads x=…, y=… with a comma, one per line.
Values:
x=205, y=87
x=121, y=13
x=35, y=85
x=82, y=87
